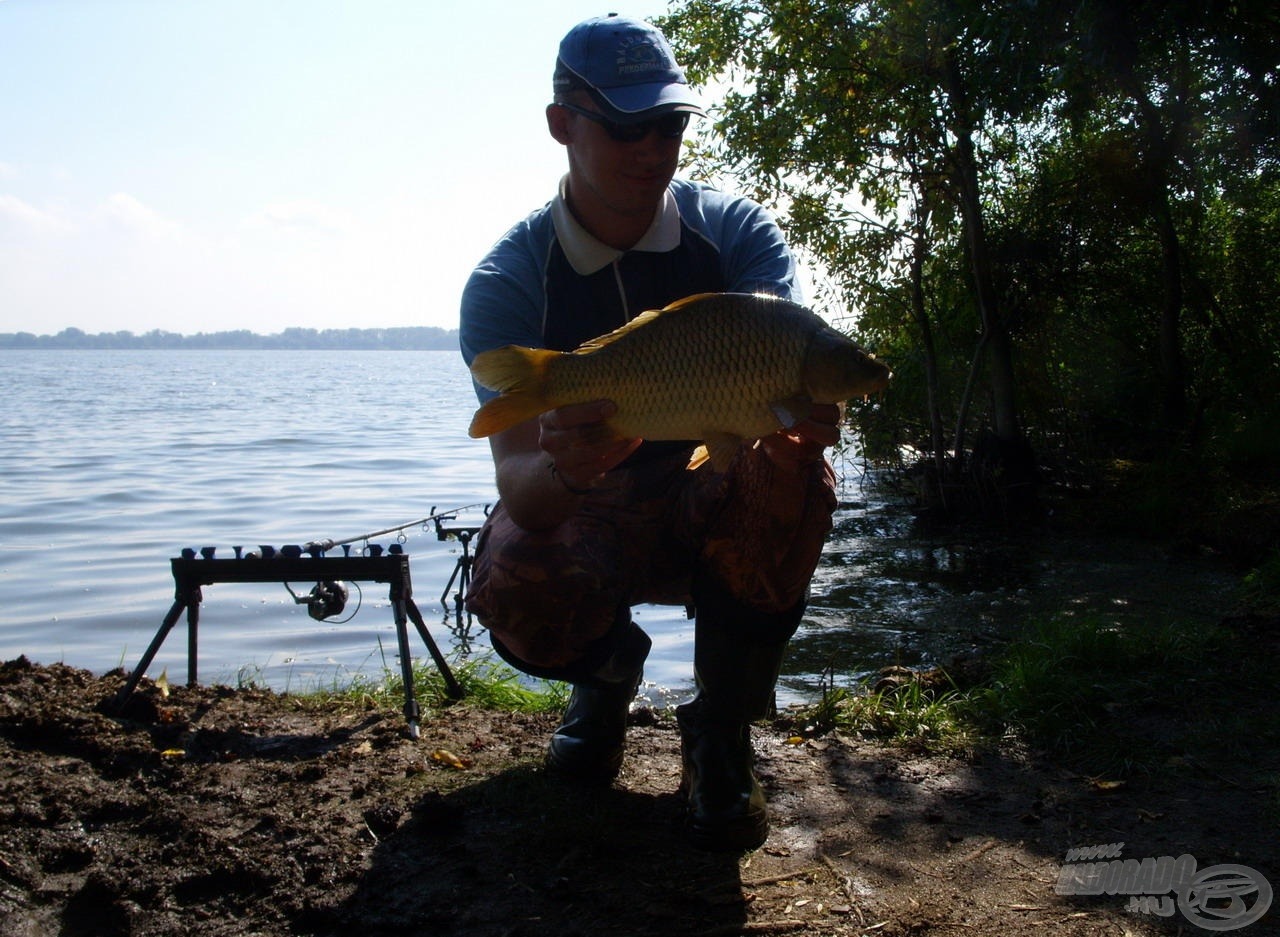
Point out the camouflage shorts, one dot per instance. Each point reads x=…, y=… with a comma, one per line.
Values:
x=756, y=530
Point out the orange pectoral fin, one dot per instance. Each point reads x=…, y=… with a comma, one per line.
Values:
x=718, y=448
x=697, y=458
x=504, y=412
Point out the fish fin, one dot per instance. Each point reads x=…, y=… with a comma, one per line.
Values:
x=520, y=375
x=792, y=410
x=688, y=300
x=639, y=321
x=721, y=449
x=502, y=413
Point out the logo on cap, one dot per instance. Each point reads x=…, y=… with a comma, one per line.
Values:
x=638, y=54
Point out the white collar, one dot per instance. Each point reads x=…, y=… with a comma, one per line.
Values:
x=588, y=255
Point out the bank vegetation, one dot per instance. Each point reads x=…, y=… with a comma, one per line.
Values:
x=1058, y=222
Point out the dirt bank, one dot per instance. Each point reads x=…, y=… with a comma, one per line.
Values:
x=219, y=812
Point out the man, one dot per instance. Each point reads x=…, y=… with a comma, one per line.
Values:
x=588, y=524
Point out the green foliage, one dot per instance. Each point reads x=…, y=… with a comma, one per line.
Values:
x=1079, y=688
x=914, y=716
x=1260, y=591
x=1108, y=699
x=1125, y=161
x=489, y=683
x=485, y=682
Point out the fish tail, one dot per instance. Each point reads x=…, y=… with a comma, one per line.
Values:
x=520, y=375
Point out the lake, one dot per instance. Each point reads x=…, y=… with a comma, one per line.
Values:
x=114, y=461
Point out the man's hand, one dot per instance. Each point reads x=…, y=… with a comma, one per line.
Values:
x=580, y=444
x=803, y=443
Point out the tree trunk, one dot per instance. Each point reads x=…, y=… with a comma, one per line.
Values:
x=1162, y=127
x=921, y=315
x=1003, y=465
x=1172, y=365
x=995, y=334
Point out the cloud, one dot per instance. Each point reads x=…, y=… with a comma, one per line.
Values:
x=301, y=215
x=24, y=219
x=125, y=210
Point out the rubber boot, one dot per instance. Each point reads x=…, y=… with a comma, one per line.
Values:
x=736, y=670
x=588, y=745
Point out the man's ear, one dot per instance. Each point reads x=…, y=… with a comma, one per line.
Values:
x=558, y=124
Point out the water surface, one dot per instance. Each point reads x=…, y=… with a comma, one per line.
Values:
x=114, y=461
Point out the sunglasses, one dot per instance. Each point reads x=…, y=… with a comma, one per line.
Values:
x=669, y=126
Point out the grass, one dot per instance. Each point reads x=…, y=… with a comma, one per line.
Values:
x=914, y=715
x=1109, y=700
x=1092, y=693
x=485, y=682
x=1260, y=589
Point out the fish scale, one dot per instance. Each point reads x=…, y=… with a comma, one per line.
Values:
x=664, y=381
x=723, y=368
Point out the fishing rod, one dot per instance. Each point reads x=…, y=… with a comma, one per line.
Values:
x=323, y=545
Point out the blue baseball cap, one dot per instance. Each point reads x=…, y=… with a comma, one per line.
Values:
x=626, y=65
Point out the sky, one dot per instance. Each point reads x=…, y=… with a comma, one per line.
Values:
x=208, y=165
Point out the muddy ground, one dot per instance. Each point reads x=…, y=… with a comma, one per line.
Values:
x=220, y=812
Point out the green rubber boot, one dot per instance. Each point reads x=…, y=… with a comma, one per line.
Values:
x=736, y=670
x=588, y=746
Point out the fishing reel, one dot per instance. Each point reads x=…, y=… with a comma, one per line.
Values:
x=325, y=600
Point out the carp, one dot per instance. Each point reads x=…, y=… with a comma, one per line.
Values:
x=720, y=368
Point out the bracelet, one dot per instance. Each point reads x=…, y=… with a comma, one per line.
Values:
x=551, y=466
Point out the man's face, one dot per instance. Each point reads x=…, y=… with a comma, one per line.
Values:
x=624, y=179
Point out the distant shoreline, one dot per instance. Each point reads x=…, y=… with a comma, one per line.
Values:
x=418, y=338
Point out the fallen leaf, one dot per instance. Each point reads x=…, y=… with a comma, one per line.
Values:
x=446, y=757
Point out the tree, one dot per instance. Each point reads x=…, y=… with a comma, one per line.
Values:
x=1051, y=215
x=895, y=105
